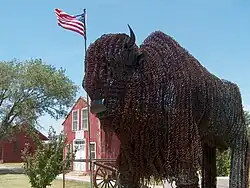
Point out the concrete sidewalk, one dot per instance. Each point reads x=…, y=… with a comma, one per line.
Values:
x=74, y=178
x=11, y=170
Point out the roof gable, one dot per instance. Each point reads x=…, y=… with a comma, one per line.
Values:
x=23, y=127
x=78, y=100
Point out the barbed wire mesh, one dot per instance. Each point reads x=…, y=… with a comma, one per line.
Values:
x=164, y=106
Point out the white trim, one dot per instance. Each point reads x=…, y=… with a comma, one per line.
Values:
x=85, y=98
x=77, y=128
x=95, y=147
x=82, y=164
x=79, y=134
x=82, y=128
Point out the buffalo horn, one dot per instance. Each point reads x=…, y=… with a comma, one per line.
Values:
x=131, y=41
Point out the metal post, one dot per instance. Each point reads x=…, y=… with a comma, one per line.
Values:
x=63, y=179
x=88, y=103
x=89, y=152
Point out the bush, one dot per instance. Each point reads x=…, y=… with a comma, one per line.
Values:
x=223, y=158
x=47, y=162
x=223, y=163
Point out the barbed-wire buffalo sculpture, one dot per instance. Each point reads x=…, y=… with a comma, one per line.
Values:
x=168, y=111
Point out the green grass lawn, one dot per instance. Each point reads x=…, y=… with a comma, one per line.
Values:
x=22, y=181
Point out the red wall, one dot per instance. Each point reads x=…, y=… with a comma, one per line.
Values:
x=112, y=151
x=96, y=134
x=94, y=128
x=11, y=152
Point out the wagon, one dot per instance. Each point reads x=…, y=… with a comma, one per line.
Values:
x=106, y=174
x=105, y=171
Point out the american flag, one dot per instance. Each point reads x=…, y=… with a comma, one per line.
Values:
x=73, y=23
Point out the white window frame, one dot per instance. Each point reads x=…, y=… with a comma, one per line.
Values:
x=77, y=127
x=84, y=128
x=94, y=166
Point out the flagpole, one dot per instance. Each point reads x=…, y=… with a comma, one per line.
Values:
x=60, y=16
x=88, y=102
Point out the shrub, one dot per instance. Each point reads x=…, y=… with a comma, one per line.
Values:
x=223, y=163
x=48, y=161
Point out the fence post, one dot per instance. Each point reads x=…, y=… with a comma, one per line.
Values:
x=63, y=179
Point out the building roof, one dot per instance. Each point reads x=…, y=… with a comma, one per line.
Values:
x=41, y=135
x=23, y=127
x=80, y=98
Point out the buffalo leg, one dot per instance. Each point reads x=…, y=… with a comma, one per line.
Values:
x=125, y=179
x=239, y=163
x=209, y=167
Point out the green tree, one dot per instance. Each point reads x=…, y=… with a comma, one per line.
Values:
x=223, y=163
x=43, y=166
x=31, y=89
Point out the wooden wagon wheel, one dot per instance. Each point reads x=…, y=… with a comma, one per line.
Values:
x=105, y=178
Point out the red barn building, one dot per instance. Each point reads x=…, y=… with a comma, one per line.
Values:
x=75, y=128
x=11, y=149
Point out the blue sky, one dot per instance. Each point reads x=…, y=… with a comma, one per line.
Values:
x=217, y=33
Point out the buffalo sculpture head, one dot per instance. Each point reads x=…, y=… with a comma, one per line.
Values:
x=110, y=61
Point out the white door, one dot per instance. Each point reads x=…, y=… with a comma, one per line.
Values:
x=80, y=146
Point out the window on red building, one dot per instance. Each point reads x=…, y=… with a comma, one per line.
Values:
x=93, y=152
x=84, y=119
x=74, y=120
